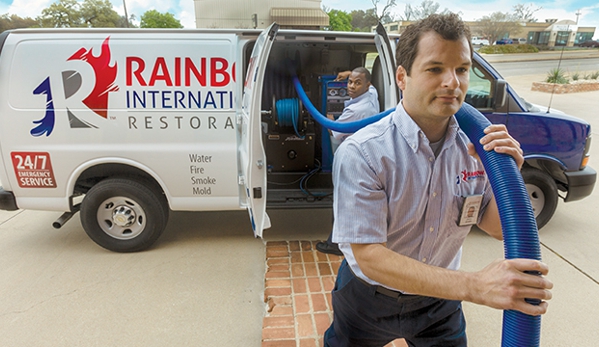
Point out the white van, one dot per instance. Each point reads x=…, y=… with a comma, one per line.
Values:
x=125, y=125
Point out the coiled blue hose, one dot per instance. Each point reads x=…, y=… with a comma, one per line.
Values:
x=288, y=112
x=520, y=232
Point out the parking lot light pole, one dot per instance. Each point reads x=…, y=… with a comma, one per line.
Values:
x=126, y=16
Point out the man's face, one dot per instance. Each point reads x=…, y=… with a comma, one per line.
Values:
x=357, y=84
x=438, y=82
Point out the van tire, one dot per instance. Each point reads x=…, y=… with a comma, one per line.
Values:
x=542, y=192
x=123, y=215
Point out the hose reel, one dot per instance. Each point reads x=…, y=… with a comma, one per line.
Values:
x=286, y=113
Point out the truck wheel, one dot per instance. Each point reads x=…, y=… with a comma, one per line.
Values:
x=542, y=192
x=123, y=215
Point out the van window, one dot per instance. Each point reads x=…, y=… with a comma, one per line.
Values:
x=370, y=58
x=479, y=91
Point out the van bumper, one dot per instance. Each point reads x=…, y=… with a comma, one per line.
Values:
x=580, y=183
x=7, y=200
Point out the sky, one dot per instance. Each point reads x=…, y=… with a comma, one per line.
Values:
x=183, y=10
x=469, y=9
x=476, y=9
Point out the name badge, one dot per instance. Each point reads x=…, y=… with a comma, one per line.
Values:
x=469, y=215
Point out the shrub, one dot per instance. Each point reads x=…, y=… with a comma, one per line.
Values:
x=556, y=76
x=576, y=76
x=502, y=49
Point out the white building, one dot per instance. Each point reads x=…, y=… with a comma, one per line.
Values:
x=246, y=14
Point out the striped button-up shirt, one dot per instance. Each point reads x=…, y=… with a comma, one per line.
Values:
x=364, y=106
x=390, y=187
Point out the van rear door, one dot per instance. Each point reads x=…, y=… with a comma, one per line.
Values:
x=387, y=58
x=252, y=158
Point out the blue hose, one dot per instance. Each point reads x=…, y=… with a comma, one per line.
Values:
x=342, y=127
x=288, y=111
x=520, y=233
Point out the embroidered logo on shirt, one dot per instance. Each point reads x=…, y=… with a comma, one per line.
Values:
x=471, y=175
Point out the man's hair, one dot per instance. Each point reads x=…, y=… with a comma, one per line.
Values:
x=365, y=71
x=450, y=26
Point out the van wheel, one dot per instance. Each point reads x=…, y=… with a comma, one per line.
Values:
x=123, y=215
x=542, y=192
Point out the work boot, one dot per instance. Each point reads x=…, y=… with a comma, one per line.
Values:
x=330, y=248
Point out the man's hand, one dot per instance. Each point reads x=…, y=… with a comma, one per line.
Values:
x=343, y=75
x=504, y=285
x=498, y=139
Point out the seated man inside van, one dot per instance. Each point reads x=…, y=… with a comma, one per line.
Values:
x=363, y=103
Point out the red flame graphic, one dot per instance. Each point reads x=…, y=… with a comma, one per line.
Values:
x=97, y=100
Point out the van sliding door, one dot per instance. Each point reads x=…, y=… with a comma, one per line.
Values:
x=252, y=159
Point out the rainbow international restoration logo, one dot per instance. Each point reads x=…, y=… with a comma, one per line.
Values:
x=472, y=175
x=97, y=100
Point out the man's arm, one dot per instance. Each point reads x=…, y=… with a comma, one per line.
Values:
x=501, y=285
x=343, y=75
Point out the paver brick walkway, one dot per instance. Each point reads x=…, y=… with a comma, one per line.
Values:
x=298, y=284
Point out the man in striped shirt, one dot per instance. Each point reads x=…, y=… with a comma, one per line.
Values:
x=400, y=187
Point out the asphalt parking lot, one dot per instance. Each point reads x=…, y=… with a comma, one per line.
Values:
x=202, y=284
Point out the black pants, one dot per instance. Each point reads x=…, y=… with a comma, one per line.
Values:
x=363, y=317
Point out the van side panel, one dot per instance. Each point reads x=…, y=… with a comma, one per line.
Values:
x=163, y=103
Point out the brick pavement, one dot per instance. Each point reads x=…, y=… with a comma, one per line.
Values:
x=298, y=284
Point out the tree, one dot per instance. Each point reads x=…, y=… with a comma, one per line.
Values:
x=385, y=14
x=61, y=14
x=409, y=13
x=525, y=13
x=72, y=14
x=98, y=14
x=13, y=21
x=363, y=20
x=122, y=22
x=425, y=9
x=155, y=19
x=339, y=21
x=498, y=25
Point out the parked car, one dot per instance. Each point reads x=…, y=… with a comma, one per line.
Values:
x=479, y=41
x=590, y=43
x=504, y=42
x=520, y=40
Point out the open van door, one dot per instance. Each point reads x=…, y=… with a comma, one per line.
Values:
x=252, y=158
x=387, y=65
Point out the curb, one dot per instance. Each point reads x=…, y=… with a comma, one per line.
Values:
x=541, y=56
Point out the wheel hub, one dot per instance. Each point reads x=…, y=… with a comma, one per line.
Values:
x=123, y=216
x=537, y=198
